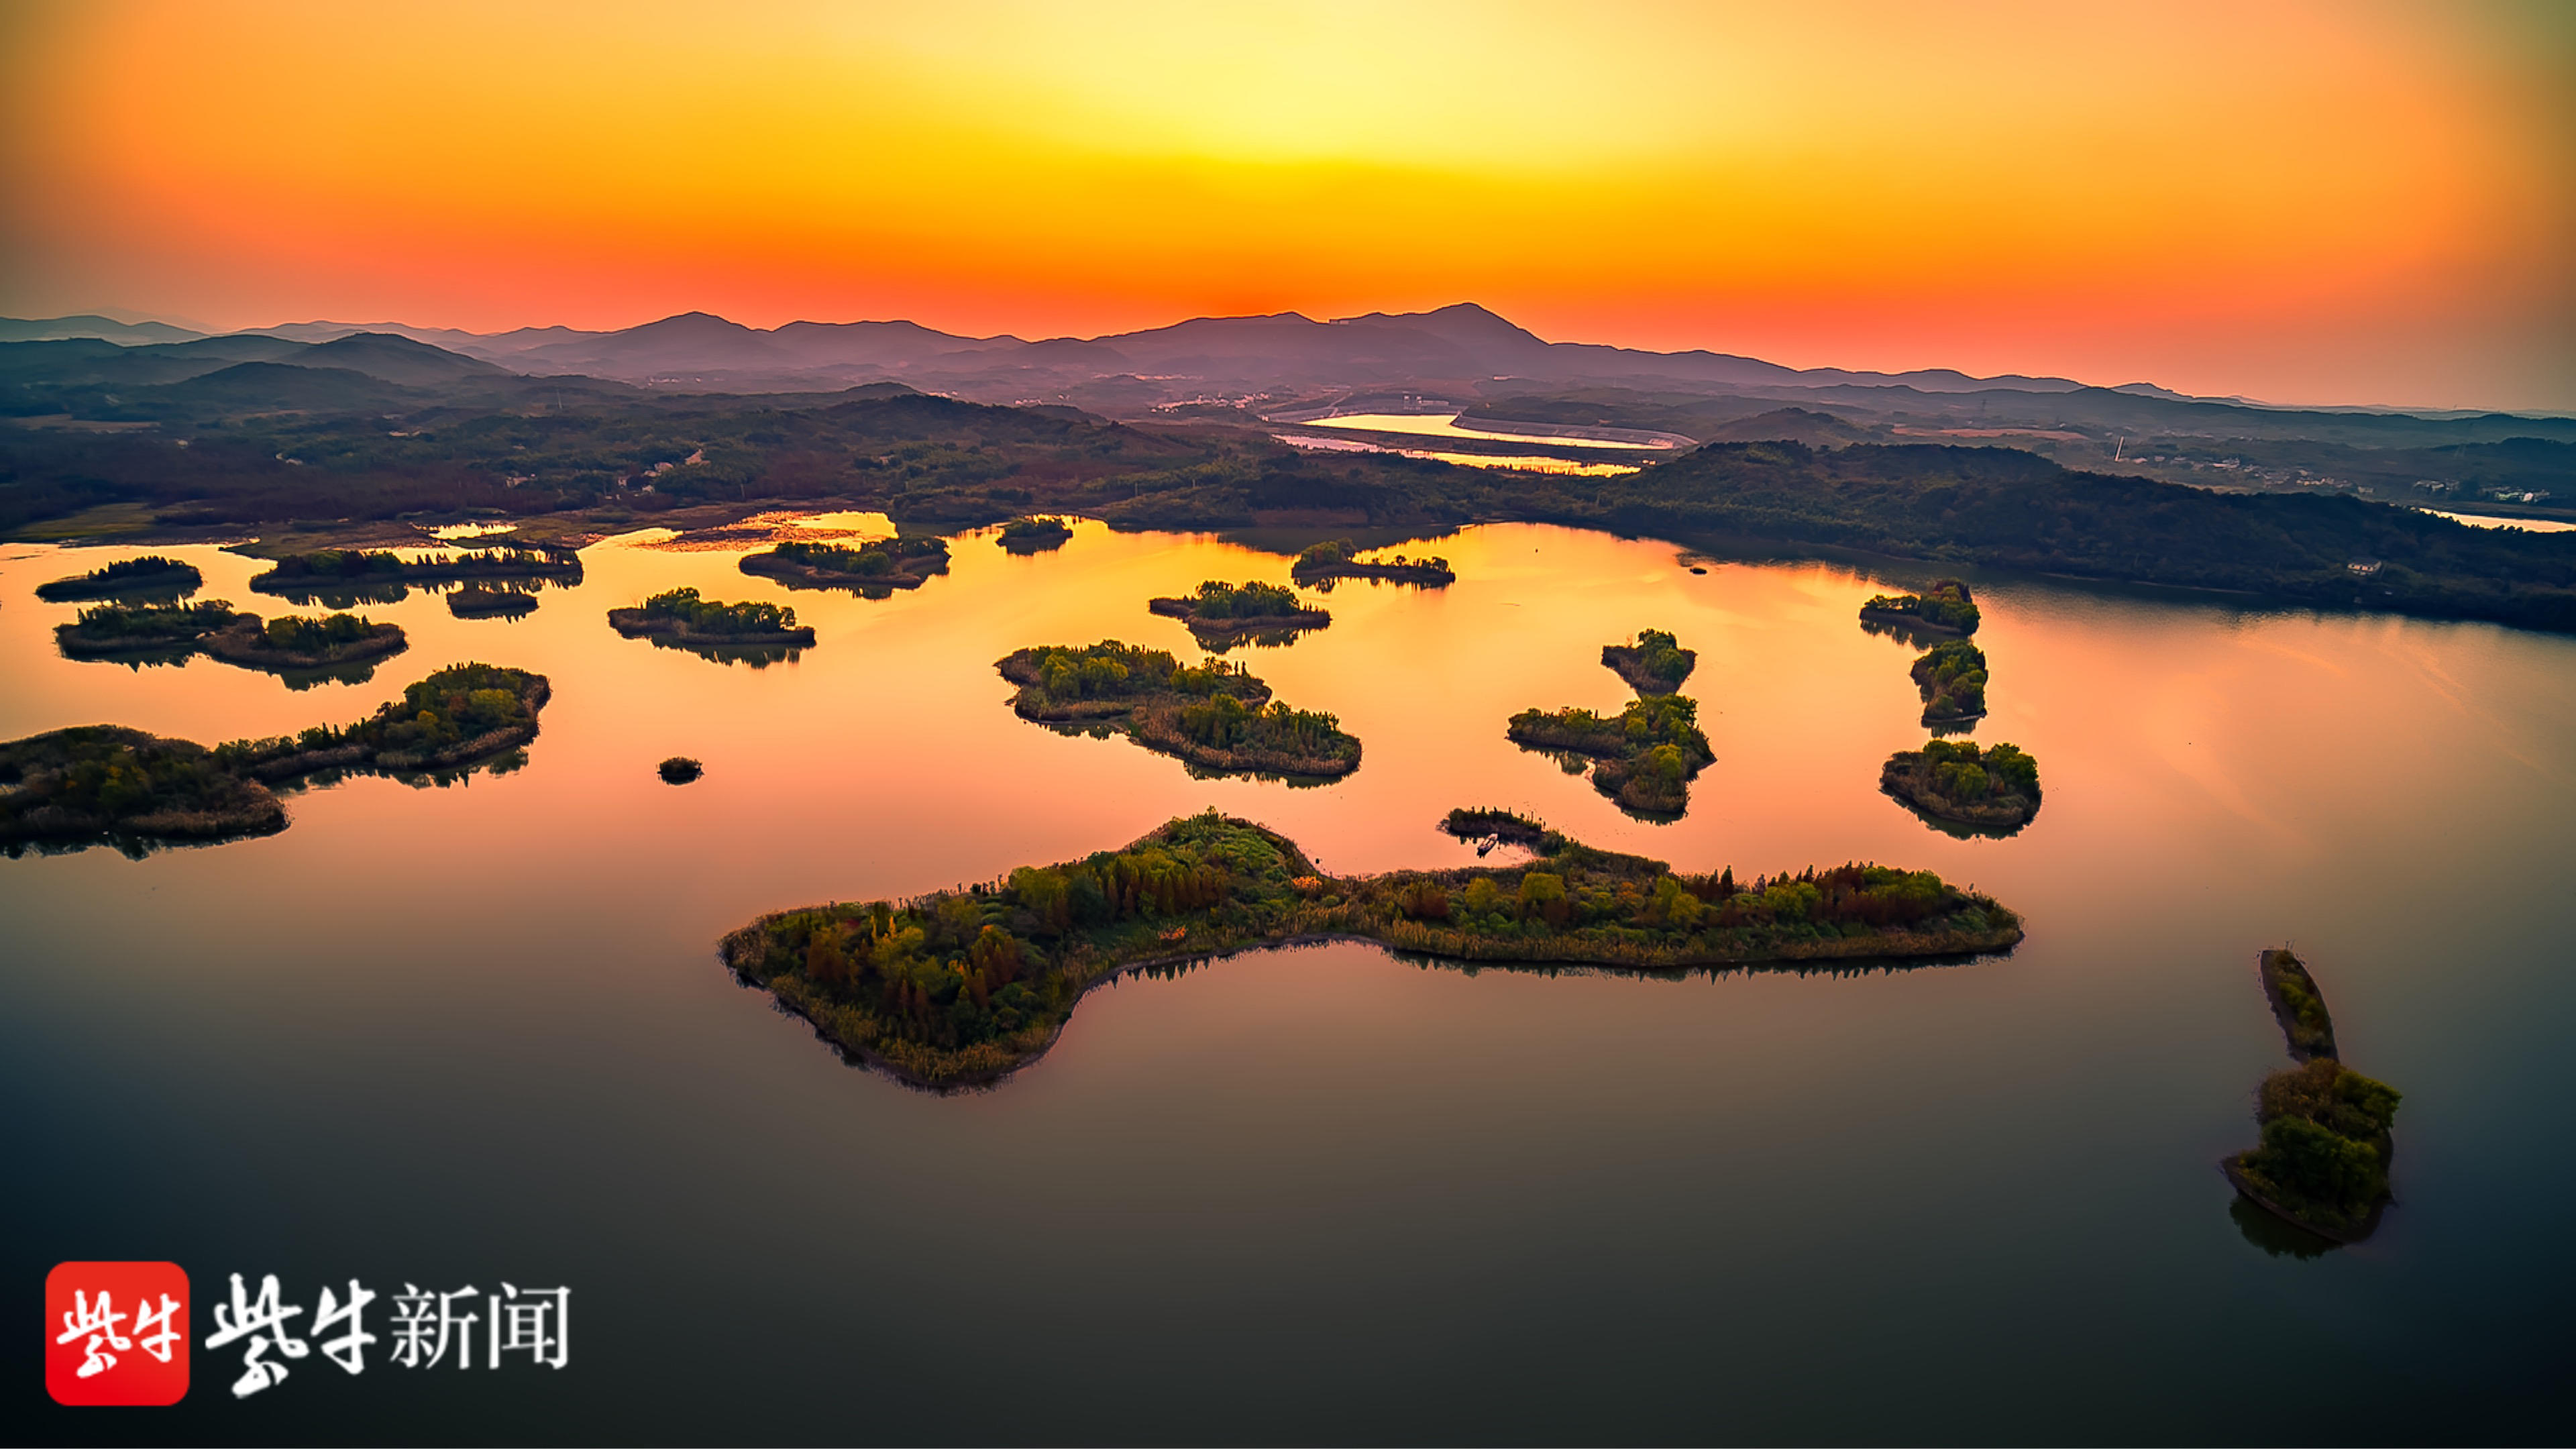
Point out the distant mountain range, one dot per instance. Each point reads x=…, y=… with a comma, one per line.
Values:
x=1452, y=350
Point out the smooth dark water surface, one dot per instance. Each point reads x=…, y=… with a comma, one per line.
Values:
x=478, y=1033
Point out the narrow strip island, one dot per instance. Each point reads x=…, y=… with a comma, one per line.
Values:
x=874, y=569
x=330, y=575
x=1035, y=535
x=1995, y=791
x=141, y=633
x=106, y=784
x=150, y=577
x=1952, y=678
x=2323, y=1163
x=965, y=987
x=1655, y=664
x=1221, y=615
x=1946, y=608
x=474, y=601
x=1216, y=717
x=756, y=633
x=1322, y=563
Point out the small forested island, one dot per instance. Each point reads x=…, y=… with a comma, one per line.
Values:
x=1222, y=615
x=95, y=784
x=334, y=573
x=161, y=632
x=1339, y=559
x=1996, y=789
x=1215, y=716
x=1655, y=664
x=474, y=601
x=1952, y=678
x=965, y=987
x=1491, y=827
x=298, y=643
x=680, y=770
x=1946, y=608
x=1035, y=535
x=875, y=569
x=1644, y=757
x=680, y=619
x=148, y=577
x=2323, y=1163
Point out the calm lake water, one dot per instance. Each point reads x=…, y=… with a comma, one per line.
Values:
x=473, y=1034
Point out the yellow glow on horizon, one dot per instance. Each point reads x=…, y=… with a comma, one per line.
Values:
x=2227, y=193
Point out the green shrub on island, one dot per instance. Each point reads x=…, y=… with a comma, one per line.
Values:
x=875, y=568
x=2326, y=1148
x=967, y=986
x=2297, y=1004
x=1655, y=664
x=1946, y=607
x=680, y=770
x=1644, y=757
x=151, y=574
x=1495, y=827
x=107, y=630
x=103, y=783
x=1339, y=559
x=477, y=602
x=681, y=618
x=1212, y=715
x=1993, y=789
x=1035, y=535
x=1952, y=678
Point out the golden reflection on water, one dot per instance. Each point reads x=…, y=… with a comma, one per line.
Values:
x=1434, y=426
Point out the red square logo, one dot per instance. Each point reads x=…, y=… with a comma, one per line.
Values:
x=116, y=1333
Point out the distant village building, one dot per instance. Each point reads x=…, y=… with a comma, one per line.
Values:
x=2364, y=567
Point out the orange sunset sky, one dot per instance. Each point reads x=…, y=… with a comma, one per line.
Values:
x=2361, y=202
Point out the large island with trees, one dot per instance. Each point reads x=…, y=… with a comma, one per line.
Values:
x=1340, y=559
x=153, y=576
x=2326, y=1149
x=1221, y=615
x=1945, y=608
x=874, y=569
x=679, y=619
x=965, y=987
x=1646, y=755
x=1996, y=789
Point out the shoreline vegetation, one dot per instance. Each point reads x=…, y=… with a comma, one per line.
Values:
x=679, y=619
x=1322, y=563
x=2326, y=1149
x=474, y=601
x=1035, y=535
x=108, y=784
x=1951, y=676
x=1221, y=615
x=1214, y=716
x=1643, y=757
x=152, y=576
x=963, y=988
x=874, y=569
x=1655, y=664
x=330, y=575
x=1946, y=608
x=1991, y=791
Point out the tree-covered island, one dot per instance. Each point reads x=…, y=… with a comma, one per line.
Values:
x=1945, y=608
x=679, y=619
x=1035, y=535
x=1339, y=558
x=965, y=987
x=150, y=577
x=1215, y=716
x=1655, y=664
x=2326, y=1149
x=1996, y=789
x=1952, y=678
x=295, y=643
x=874, y=569
x=331, y=575
x=103, y=784
x=136, y=632
x=1644, y=757
x=475, y=601
x=1221, y=615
